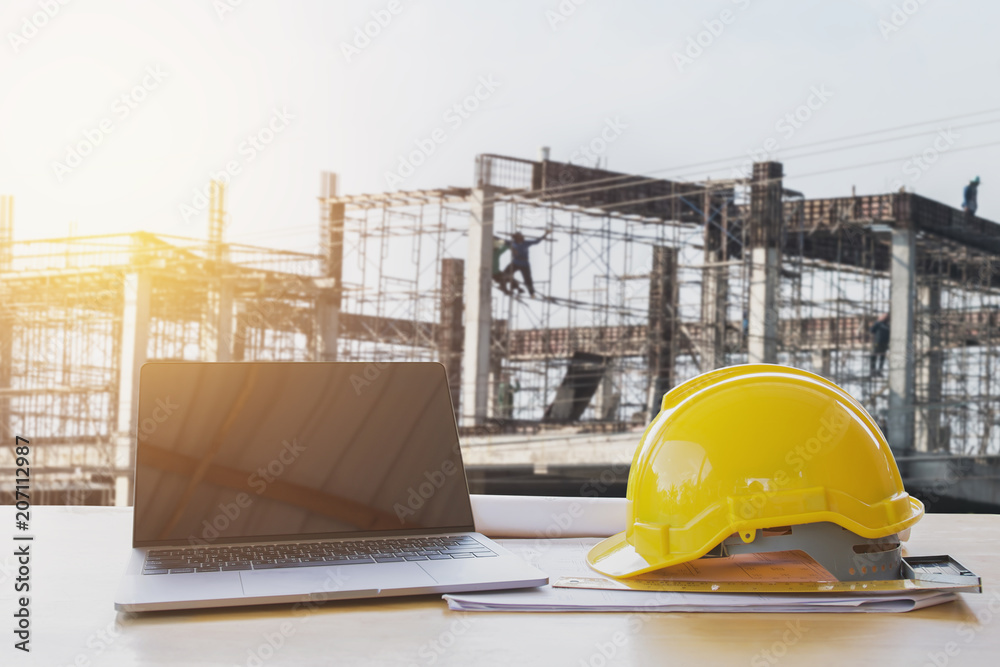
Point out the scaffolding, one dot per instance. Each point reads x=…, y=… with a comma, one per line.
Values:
x=640, y=284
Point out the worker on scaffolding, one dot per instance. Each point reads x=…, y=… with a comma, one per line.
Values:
x=880, y=343
x=519, y=259
x=504, y=279
x=505, y=396
x=971, y=197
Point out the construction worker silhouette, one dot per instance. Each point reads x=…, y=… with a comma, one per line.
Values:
x=971, y=196
x=880, y=343
x=519, y=258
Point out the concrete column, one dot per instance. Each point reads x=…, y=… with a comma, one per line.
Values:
x=662, y=327
x=902, y=297
x=714, y=289
x=136, y=295
x=450, y=326
x=6, y=232
x=330, y=297
x=821, y=361
x=478, y=309
x=241, y=330
x=762, y=329
x=765, y=262
x=931, y=369
x=607, y=400
x=217, y=323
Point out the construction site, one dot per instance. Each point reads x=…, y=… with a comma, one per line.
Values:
x=636, y=285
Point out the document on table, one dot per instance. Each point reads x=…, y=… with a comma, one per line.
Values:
x=567, y=558
x=548, y=516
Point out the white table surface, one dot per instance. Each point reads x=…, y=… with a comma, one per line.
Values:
x=80, y=552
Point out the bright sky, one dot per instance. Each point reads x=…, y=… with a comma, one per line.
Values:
x=161, y=95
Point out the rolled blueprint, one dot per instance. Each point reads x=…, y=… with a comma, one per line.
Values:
x=548, y=516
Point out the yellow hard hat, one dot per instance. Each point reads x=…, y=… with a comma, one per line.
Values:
x=745, y=448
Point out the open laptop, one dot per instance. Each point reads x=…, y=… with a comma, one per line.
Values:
x=280, y=482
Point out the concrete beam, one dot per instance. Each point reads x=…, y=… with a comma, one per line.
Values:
x=478, y=309
x=136, y=297
x=902, y=300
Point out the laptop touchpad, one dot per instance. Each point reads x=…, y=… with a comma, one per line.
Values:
x=346, y=578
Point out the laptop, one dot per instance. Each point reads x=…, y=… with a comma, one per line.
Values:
x=273, y=482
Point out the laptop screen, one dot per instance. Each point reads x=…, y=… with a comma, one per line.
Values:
x=241, y=451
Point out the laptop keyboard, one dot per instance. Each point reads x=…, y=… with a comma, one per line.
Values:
x=311, y=554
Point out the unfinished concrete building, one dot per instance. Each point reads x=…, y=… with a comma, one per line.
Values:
x=641, y=283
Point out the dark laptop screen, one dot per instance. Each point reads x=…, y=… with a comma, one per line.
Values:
x=271, y=450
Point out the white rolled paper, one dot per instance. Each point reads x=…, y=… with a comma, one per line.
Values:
x=548, y=516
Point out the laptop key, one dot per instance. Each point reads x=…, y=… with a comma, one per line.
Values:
x=415, y=558
x=388, y=559
x=181, y=570
x=155, y=571
x=463, y=555
x=484, y=554
x=237, y=566
x=209, y=568
x=439, y=557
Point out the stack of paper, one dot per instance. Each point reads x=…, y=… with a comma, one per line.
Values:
x=567, y=558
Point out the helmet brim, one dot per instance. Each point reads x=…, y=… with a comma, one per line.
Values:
x=616, y=557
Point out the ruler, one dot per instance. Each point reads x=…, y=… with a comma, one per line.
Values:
x=926, y=573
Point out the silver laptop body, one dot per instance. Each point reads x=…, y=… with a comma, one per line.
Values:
x=273, y=482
